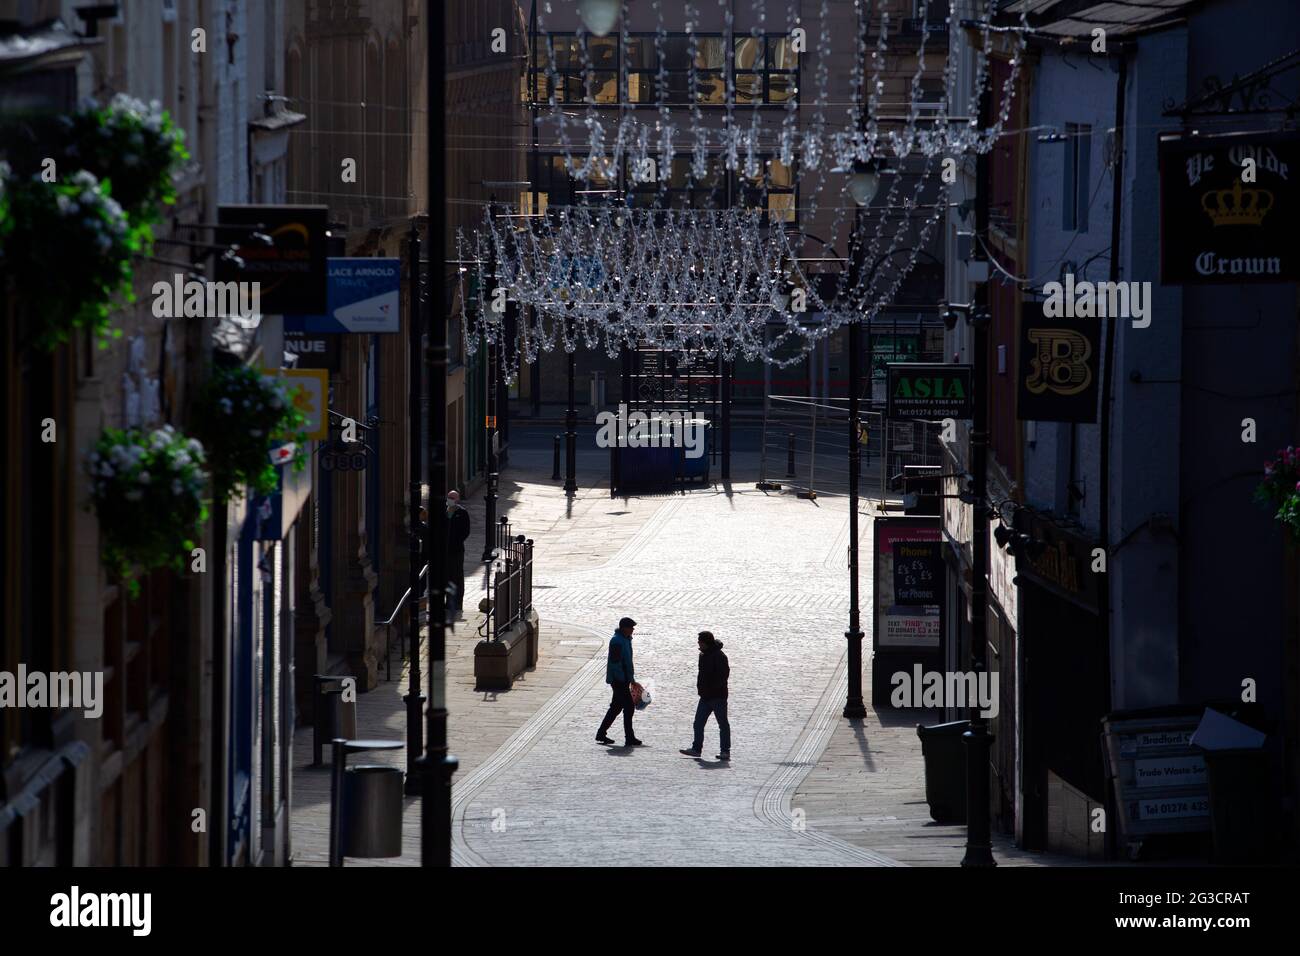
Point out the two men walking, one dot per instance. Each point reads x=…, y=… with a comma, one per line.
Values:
x=710, y=683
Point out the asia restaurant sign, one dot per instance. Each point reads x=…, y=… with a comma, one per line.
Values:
x=1228, y=205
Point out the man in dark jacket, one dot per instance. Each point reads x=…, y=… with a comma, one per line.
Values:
x=712, y=686
x=619, y=677
x=457, y=532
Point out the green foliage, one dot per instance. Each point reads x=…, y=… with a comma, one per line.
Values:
x=240, y=416
x=1280, y=489
x=135, y=146
x=147, y=491
x=76, y=222
x=114, y=169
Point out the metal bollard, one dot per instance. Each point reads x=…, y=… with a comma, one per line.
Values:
x=789, y=461
x=555, y=468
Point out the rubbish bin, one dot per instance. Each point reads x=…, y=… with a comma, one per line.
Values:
x=372, y=811
x=944, y=751
x=333, y=716
x=1244, y=824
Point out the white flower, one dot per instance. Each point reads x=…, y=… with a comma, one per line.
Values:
x=176, y=486
x=104, y=243
x=145, y=477
x=135, y=494
x=65, y=205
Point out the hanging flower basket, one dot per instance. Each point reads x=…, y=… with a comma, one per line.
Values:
x=1280, y=489
x=133, y=145
x=74, y=222
x=147, y=491
x=240, y=416
x=112, y=167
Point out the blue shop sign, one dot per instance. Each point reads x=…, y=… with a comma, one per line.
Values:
x=362, y=295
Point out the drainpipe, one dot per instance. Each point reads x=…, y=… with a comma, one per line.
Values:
x=1108, y=377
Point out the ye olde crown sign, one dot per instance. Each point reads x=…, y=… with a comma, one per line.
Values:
x=1228, y=205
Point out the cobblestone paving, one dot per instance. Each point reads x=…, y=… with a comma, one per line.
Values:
x=766, y=574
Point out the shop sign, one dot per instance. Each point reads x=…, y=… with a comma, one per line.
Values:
x=290, y=267
x=929, y=391
x=1060, y=368
x=1228, y=206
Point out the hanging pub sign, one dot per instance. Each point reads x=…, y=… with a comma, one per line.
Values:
x=281, y=247
x=1060, y=367
x=1063, y=565
x=363, y=295
x=1228, y=205
x=928, y=391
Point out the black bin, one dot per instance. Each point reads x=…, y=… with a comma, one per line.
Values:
x=1244, y=814
x=944, y=751
x=372, y=812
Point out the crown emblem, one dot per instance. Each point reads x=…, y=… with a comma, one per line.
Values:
x=1237, y=206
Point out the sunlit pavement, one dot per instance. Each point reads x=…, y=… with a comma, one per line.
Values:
x=766, y=573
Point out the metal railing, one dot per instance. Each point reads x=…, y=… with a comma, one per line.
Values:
x=392, y=619
x=510, y=581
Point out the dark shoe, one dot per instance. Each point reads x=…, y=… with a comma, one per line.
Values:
x=725, y=755
x=604, y=739
x=689, y=753
x=633, y=743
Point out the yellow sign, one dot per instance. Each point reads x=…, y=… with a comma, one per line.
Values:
x=310, y=388
x=490, y=421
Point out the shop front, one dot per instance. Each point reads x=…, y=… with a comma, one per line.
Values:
x=1064, y=682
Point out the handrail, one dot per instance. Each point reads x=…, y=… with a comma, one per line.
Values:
x=388, y=640
x=400, y=602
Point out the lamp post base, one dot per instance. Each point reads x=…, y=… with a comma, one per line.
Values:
x=414, y=741
x=979, y=845
x=854, y=708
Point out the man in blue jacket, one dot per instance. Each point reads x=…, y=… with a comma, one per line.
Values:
x=619, y=676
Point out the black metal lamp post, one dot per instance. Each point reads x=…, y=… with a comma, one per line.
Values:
x=491, y=360
x=853, y=705
x=979, y=848
x=438, y=766
x=414, y=699
x=571, y=425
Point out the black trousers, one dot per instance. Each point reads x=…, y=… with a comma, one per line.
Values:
x=456, y=576
x=622, y=701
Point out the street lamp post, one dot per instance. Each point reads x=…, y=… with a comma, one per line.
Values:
x=979, y=849
x=571, y=425
x=853, y=704
x=414, y=699
x=491, y=360
x=438, y=765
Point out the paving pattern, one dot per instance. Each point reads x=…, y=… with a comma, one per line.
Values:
x=763, y=573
